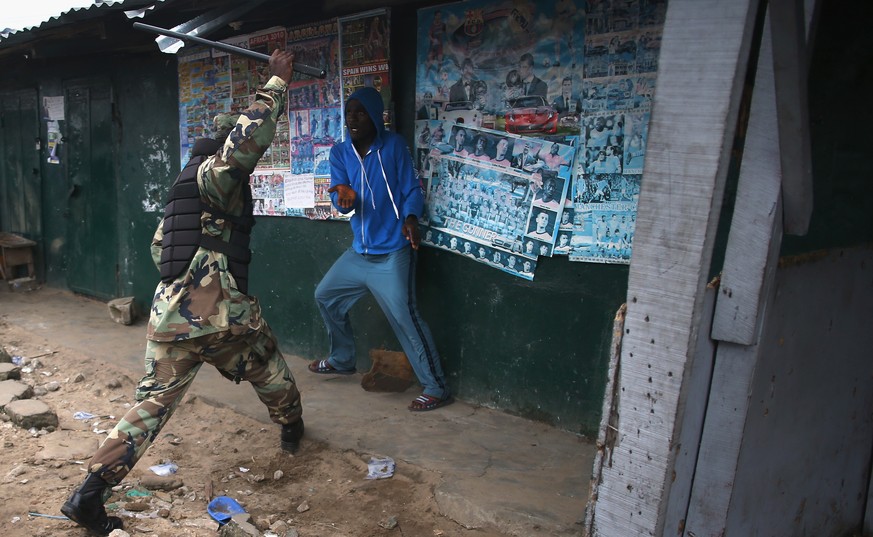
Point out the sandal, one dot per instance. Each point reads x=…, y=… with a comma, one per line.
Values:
x=322, y=367
x=425, y=402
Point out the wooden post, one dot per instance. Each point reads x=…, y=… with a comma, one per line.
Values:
x=703, y=62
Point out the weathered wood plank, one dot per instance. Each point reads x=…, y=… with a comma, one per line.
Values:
x=721, y=441
x=750, y=242
x=692, y=412
x=704, y=56
x=749, y=270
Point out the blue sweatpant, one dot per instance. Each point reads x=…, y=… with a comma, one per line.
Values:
x=391, y=280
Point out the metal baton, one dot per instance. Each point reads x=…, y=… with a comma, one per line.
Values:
x=298, y=67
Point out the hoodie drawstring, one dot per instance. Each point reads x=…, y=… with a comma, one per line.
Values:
x=384, y=176
x=366, y=181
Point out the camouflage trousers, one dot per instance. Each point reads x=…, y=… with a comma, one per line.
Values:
x=171, y=367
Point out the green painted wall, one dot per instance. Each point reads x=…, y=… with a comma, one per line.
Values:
x=147, y=102
x=538, y=349
x=840, y=78
x=144, y=108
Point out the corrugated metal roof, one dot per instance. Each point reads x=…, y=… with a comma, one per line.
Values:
x=77, y=14
x=88, y=29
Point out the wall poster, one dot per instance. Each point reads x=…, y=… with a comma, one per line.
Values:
x=495, y=197
x=622, y=44
x=314, y=113
x=573, y=74
x=293, y=175
x=364, y=59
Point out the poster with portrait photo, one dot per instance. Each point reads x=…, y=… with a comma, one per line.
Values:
x=476, y=59
x=510, y=262
x=530, y=247
x=550, y=190
x=557, y=154
x=524, y=156
x=562, y=244
x=542, y=225
x=476, y=192
x=566, y=222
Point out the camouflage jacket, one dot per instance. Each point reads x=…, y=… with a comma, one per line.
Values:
x=204, y=299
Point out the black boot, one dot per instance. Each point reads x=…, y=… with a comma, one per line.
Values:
x=291, y=435
x=85, y=507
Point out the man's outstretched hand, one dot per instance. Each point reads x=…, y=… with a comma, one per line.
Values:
x=282, y=64
x=345, y=195
x=410, y=231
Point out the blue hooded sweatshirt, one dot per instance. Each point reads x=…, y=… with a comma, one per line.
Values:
x=384, y=181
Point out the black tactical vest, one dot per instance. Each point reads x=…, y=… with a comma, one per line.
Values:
x=182, y=230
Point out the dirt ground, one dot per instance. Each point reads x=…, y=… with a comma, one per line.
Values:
x=319, y=492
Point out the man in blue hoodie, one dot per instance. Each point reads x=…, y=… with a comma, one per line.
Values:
x=372, y=174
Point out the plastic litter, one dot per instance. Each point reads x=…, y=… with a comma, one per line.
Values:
x=17, y=360
x=137, y=514
x=222, y=509
x=380, y=468
x=43, y=515
x=168, y=468
x=84, y=416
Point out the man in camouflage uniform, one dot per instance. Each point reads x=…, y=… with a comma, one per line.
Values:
x=202, y=313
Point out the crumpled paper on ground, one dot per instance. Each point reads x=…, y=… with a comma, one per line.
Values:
x=380, y=468
x=165, y=469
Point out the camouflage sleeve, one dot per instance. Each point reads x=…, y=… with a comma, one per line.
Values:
x=158, y=244
x=246, y=144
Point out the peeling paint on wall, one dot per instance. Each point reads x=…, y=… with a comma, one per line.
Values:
x=156, y=165
x=153, y=201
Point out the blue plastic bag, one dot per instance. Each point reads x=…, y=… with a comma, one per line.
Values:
x=222, y=509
